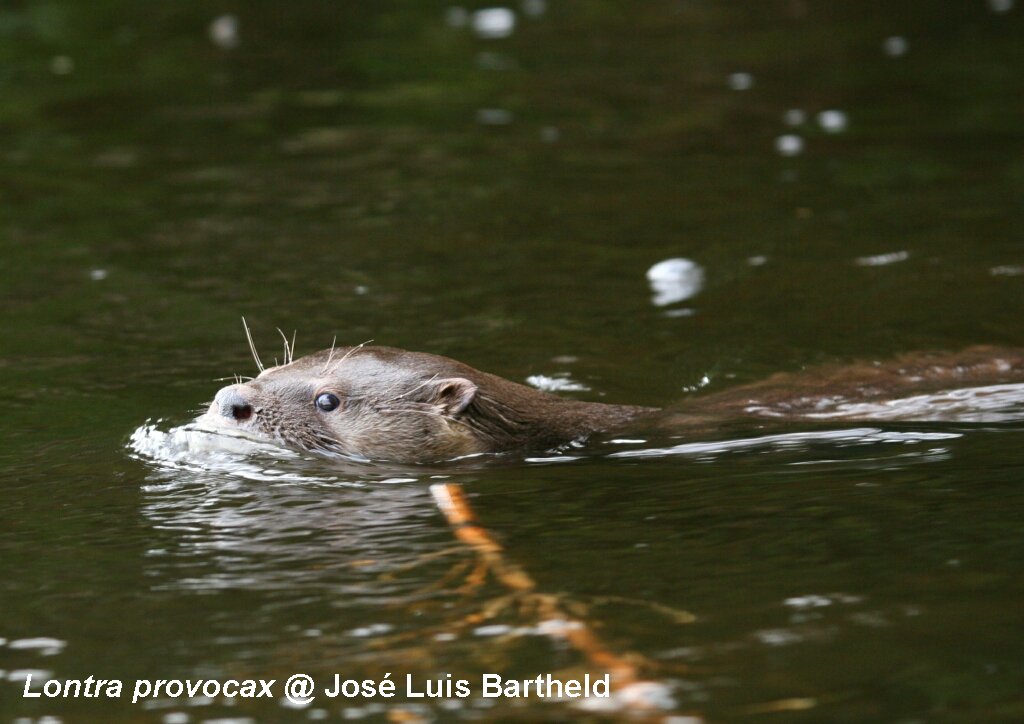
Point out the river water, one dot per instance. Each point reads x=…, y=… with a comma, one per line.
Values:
x=834, y=180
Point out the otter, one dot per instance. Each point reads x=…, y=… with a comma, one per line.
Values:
x=373, y=403
x=386, y=404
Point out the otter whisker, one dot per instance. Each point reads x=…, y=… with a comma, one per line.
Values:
x=252, y=346
x=397, y=410
x=289, y=350
x=354, y=350
x=409, y=392
x=291, y=357
x=237, y=379
x=330, y=355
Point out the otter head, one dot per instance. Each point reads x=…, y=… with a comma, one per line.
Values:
x=370, y=403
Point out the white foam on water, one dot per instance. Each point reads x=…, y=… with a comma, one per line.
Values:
x=200, y=449
x=990, y=403
x=45, y=645
x=560, y=382
x=859, y=435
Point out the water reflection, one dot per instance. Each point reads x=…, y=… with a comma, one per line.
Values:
x=179, y=160
x=352, y=536
x=250, y=516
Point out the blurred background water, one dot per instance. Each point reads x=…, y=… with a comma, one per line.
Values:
x=835, y=180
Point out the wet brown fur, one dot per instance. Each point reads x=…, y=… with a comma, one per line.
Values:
x=415, y=407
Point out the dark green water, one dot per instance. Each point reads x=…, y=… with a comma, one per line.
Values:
x=339, y=172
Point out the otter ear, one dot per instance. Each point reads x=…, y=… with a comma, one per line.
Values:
x=452, y=394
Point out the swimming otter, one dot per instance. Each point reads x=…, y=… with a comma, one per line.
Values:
x=381, y=403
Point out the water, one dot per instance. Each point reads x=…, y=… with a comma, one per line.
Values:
x=340, y=170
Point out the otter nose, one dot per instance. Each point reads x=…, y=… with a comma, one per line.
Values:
x=230, y=403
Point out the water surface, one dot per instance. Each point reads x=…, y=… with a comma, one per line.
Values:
x=382, y=171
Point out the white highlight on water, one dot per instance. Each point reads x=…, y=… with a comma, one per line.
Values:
x=741, y=81
x=794, y=117
x=675, y=280
x=494, y=23
x=895, y=46
x=859, y=435
x=990, y=403
x=560, y=382
x=882, y=259
x=224, y=32
x=789, y=144
x=833, y=121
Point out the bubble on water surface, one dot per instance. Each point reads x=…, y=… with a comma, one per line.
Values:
x=794, y=117
x=493, y=23
x=62, y=65
x=740, y=81
x=456, y=16
x=493, y=117
x=778, y=637
x=895, y=46
x=374, y=629
x=489, y=60
x=704, y=381
x=223, y=32
x=1006, y=271
x=534, y=8
x=549, y=134
x=675, y=280
x=893, y=257
x=789, y=145
x=833, y=121
x=809, y=601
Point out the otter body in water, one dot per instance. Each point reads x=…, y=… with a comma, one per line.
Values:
x=381, y=403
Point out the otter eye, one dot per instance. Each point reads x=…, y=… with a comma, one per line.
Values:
x=327, y=402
